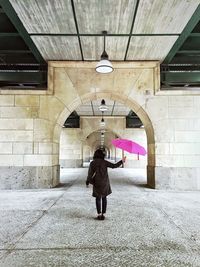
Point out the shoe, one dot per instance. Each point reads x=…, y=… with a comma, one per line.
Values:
x=99, y=217
x=102, y=217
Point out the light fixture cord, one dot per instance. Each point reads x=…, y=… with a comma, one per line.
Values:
x=104, y=42
x=102, y=114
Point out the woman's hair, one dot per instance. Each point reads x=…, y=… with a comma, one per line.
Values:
x=98, y=154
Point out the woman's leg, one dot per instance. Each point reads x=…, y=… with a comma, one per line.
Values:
x=104, y=204
x=98, y=204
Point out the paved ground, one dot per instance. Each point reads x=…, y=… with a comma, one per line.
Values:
x=143, y=227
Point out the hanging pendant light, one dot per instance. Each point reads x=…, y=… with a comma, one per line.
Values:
x=103, y=106
x=102, y=123
x=104, y=65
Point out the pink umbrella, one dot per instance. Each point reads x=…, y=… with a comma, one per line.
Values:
x=129, y=146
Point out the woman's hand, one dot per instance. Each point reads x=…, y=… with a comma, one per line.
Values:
x=124, y=159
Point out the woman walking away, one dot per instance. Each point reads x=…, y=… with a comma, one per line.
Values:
x=98, y=177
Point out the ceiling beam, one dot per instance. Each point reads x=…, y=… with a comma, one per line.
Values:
x=76, y=24
x=113, y=108
x=10, y=12
x=188, y=52
x=180, y=67
x=9, y=34
x=133, y=22
x=184, y=35
x=15, y=52
x=92, y=108
x=195, y=34
x=108, y=34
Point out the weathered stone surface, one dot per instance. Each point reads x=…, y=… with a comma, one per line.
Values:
x=71, y=163
x=173, y=178
x=29, y=177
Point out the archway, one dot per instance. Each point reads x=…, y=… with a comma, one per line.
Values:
x=133, y=106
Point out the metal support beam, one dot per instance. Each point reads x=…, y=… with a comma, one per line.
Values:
x=180, y=77
x=15, y=52
x=9, y=34
x=23, y=77
x=188, y=52
x=76, y=24
x=184, y=35
x=10, y=12
x=100, y=34
x=133, y=22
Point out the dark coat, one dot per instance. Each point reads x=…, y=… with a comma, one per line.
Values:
x=98, y=169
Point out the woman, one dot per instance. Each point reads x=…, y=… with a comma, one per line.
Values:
x=98, y=176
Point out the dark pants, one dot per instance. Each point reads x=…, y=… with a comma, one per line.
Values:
x=99, y=201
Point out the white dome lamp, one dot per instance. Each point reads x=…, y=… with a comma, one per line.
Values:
x=102, y=123
x=103, y=106
x=104, y=65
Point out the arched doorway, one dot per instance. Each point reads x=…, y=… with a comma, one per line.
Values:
x=144, y=118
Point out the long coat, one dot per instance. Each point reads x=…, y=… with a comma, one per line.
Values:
x=98, y=170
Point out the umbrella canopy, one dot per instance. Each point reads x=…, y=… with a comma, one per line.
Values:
x=129, y=146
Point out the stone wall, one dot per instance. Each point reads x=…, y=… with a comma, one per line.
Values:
x=28, y=155
x=70, y=148
x=31, y=123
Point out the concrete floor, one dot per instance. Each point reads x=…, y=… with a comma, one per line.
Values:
x=143, y=227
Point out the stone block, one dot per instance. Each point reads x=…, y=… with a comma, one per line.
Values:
x=35, y=148
x=64, y=84
x=157, y=108
x=173, y=178
x=14, y=135
x=185, y=148
x=188, y=161
x=29, y=177
x=45, y=148
x=13, y=124
x=185, y=124
x=55, y=159
x=6, y=100
x=187, y=136
x=63, y=116
x=163, y=131
x=47, y=176
x=162, y=148
x=56, y=133
x=70, y=163
x=27, y=100
x=37, y=160
x=43, y=130
x=6, y=148
x=50, y=108
x=180, y=101
x=151, y=176
x=23, y=148
x=19, y=112
x=11, y=160
x=182, y=113
x=56, y=148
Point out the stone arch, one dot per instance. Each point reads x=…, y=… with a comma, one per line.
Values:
x=123, y=99
x=96, y=144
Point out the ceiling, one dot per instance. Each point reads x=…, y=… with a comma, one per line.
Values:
x=92, y=109
x=41, y=30
x=115, y=109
